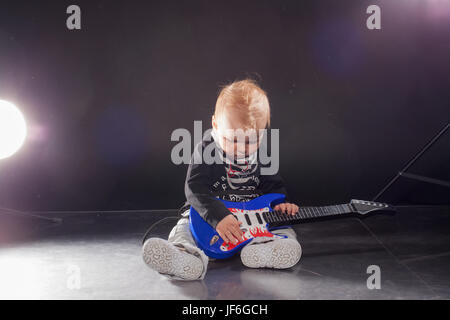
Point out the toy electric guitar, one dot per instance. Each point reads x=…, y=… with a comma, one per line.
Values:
x=259, y=219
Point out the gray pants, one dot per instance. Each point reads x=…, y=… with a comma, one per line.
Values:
x=181, y=236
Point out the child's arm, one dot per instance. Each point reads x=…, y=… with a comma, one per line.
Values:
x=198, y=194
x=197, y=190
x=210, y=208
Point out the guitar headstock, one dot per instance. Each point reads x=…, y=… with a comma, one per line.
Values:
x=364, y=207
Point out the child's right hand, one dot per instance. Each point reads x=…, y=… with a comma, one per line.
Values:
x=229, y=229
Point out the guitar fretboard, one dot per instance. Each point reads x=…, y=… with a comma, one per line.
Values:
x=278, y=218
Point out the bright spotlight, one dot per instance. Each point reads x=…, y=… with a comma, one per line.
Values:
x=13, y=129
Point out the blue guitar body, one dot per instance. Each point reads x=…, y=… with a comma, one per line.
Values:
x=259, y=219
x=252, y=211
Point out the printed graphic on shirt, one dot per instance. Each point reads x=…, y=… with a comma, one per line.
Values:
x=238, y=176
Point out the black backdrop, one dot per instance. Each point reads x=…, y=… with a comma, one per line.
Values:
x=352, y=104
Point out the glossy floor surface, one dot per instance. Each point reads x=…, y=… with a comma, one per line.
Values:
x=97, y=255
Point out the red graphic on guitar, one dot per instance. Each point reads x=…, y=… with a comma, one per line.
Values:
x=259, y=231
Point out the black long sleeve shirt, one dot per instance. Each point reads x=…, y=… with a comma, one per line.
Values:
x=206, y=183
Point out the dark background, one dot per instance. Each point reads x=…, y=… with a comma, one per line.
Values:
x=353, y=105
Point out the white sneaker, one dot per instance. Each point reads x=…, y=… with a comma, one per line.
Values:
x=166, y=258
x=278, y=254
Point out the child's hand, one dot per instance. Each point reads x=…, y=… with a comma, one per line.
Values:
x=229, y=230
x=288, y=208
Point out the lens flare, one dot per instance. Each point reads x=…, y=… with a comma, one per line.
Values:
x=13, y=129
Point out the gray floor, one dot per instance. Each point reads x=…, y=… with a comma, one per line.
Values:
x=98, y=256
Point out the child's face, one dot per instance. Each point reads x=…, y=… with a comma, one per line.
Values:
x=234, y=140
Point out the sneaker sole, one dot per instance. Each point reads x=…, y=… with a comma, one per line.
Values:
x=277, y=254
x=164, y=257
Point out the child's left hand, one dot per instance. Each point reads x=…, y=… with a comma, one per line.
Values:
x=289, y=208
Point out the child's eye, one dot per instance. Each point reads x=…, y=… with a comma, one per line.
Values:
x=236, y=141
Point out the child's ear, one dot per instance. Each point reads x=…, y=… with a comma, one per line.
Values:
x=213, y=122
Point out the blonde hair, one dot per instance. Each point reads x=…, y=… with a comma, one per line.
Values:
x=246, y=101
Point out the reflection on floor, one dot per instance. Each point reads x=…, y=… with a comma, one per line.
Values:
x=98, y=256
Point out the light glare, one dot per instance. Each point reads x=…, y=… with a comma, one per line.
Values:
x=13, y=130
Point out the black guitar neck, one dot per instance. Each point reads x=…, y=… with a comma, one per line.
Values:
x=275, y=218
